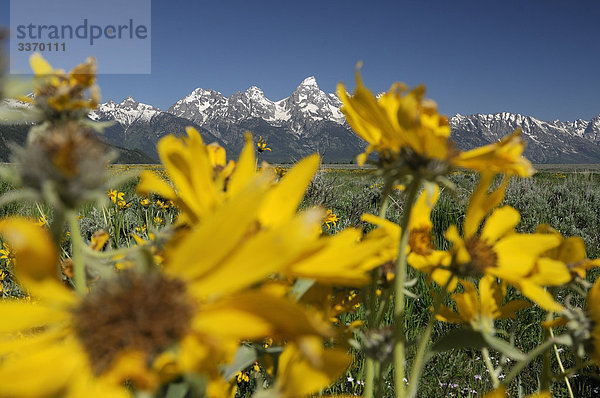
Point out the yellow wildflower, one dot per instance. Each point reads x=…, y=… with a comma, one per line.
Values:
x=6, y=253
x=480, y=310
x=242, y=377
x=409, y=135
x=42, y=221
x=330, y=218
x=115, y=195
x=501, y=252
x=421, y=253
x=301, y=374
x=504, y=156
x=196, y=303
x=99, y=239
x=145, y=202
x=48, y=330
x=59, y=94
x=398, y=120
x=593, y=313
x=280, y=171
x=162, y=205
x=198, y=173
x=261, y=145
x=571, y=251
x=141, y=229
x=201, y=191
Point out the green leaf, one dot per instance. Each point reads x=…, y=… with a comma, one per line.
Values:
x=504, y=348
x=244, y=357
x=177, y=390
x=468, y=338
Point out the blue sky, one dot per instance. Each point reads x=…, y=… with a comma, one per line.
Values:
x=535, y=57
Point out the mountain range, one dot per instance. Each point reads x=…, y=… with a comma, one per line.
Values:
x=309, y=120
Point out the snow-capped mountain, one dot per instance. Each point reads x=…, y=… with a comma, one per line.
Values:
x=547, y=142
x=140, y=126
x=126, y=113
x=307, y=105
x=309, y=120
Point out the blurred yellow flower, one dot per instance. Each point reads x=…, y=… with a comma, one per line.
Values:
x=301, y=374
x=41, y=333
x=397, y=120
x=200, y=190
x=480, y=310
x=407, y=132
x=504, y=156
x=59, y=94
x=200, y=303
x=571, y=251
x=421, y=253
x=593, y=312
x=501, y=252
x=280, y=171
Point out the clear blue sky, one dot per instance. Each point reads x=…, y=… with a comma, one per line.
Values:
x=535, y=57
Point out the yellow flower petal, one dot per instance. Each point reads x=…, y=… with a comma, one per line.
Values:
x=298, y=377
x=517, y=253
x=501, y=222
x=245, y=168
x=283, y=200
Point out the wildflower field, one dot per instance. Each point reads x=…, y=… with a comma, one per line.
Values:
x=436, y=272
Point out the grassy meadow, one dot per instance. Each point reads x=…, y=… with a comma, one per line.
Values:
x=567, y=198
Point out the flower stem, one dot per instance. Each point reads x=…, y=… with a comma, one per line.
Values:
x=400, y=280
x=531, y=355
x=419, y=361
x=561, y=366
x=77, y=254
x=371, y=324
x=490, y=367
x=372, y=311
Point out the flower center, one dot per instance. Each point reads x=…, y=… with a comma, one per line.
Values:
x=419, y=241
x=482, y=255
x=142, y=312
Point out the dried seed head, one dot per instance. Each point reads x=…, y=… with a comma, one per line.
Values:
x=378, y=344
x=145, y=312
x=71, y=158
